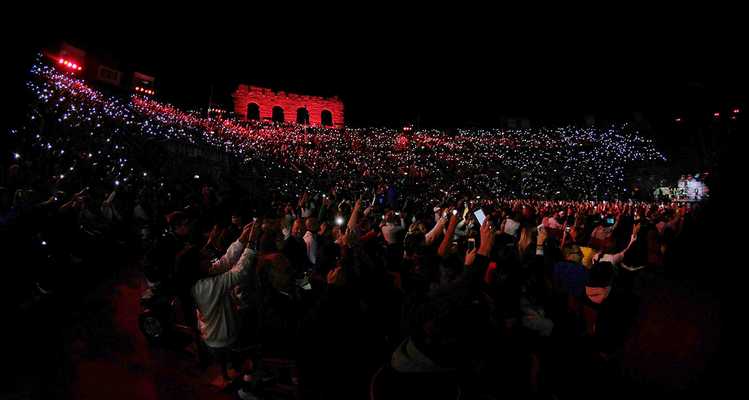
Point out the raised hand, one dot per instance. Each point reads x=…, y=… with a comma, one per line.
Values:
x=213, y=235
x=247, y=233
x=635, y=231
x=487, y=238
x=470, y=257
x=453, y=220
x=542, y=235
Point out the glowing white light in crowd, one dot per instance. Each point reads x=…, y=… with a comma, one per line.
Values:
x=571, y=161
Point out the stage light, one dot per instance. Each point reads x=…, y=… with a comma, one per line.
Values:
x=736, y=110
x=716, y=114
x=677, y=119
x=61, y=61
x=16, y=156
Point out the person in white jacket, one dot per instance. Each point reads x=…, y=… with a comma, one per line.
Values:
x=217, y=319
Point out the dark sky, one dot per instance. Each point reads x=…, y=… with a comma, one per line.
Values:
x=447, y=75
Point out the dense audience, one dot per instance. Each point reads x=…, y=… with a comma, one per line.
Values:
x=314, y=249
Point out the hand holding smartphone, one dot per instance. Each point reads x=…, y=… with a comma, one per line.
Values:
x=480, y=217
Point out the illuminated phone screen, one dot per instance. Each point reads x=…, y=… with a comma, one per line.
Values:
x=480, y=217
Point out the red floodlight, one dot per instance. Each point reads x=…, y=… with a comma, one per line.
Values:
x=70, y=65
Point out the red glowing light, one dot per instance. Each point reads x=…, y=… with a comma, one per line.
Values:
x=736, y=110
x=716, y=115
x=69, y=64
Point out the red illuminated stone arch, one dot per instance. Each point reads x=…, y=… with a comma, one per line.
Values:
x=267, y=98
x=277, y=115
x=326, y=118
x=302, y=116
x=253, y=111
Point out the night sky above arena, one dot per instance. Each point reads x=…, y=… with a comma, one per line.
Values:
x=451, y=77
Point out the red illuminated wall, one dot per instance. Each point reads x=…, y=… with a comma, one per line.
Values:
x=266, y=99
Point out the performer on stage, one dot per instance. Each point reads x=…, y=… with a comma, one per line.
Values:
x=681, y=188
x=695, y=188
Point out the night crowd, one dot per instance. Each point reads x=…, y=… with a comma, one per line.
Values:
x=379, y=290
